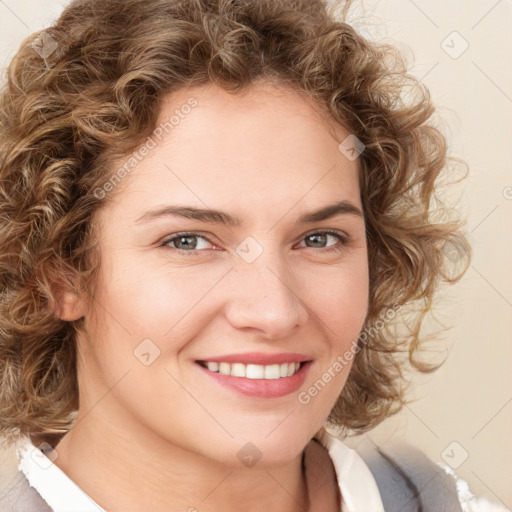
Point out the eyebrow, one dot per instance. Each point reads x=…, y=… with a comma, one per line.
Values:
x=219, y=217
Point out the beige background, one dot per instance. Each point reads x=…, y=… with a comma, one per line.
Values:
x=463, y=413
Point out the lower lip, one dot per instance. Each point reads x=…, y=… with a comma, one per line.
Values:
x=262, y=388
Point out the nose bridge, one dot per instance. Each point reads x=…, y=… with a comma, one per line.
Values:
x=265, y=297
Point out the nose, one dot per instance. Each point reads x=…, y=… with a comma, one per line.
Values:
x=264, y=298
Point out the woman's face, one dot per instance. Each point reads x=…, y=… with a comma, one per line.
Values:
x=270, y=289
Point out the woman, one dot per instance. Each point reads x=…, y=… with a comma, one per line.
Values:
x=214, y=214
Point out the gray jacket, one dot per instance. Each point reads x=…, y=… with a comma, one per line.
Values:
x=408, y=481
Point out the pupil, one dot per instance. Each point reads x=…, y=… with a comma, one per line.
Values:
x=317, y=236
x=186, y=238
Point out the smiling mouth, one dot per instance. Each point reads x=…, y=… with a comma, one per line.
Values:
x=253, y=371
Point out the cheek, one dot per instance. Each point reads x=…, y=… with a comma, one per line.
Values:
x=341, y=303
x=340, y=297
x=151, y=301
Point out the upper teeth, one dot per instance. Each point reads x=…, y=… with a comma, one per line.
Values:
x=254, y=371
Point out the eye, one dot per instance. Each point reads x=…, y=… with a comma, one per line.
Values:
x=194, y=243
x=186, y=242
x=319, y=238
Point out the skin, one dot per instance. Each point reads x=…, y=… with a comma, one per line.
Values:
x=150, y=436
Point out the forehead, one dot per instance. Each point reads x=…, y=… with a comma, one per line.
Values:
x=270, y=144
x=250, y=117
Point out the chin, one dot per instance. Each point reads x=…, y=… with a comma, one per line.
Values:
x=274, y=447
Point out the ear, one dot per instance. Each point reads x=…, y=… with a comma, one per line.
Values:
x=70, y=305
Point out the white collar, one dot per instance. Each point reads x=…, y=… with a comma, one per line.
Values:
x=357, y=486
x=55, y=487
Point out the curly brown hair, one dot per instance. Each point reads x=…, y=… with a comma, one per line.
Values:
x=88, y=90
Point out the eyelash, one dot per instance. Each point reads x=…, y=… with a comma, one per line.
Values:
x=343, y=238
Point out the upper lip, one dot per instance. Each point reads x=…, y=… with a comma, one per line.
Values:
x=259, y=358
